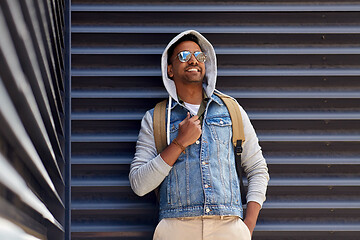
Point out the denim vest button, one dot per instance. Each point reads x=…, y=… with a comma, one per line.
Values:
x=197, y=142
x=206, y=186
x=203, y=163
x=221, y=122
x=207, y=210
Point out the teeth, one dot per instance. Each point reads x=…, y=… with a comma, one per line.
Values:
x=192, y=70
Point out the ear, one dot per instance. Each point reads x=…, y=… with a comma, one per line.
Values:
x=170, y=71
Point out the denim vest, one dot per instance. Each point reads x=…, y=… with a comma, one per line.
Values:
x=203, y=181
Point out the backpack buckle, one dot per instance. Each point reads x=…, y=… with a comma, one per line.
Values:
x=238, y=147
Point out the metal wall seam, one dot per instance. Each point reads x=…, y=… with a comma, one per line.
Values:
x=242, y=7
x=225, y=29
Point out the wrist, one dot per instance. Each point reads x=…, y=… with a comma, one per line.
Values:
x=181, y=141
x=250, y=222
x=179, y=145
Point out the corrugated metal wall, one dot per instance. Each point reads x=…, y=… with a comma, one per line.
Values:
x=293, y=65
x=32, y=164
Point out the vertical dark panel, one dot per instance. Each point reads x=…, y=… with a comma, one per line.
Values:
x=293, y=65
x=31, y=122
x=67, y=20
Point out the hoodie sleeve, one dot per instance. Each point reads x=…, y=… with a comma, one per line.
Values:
x=254, y=163
x=147, y=169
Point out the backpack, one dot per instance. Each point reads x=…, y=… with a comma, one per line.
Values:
x=238, y=136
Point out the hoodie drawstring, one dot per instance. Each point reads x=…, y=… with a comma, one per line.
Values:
x=168, y=122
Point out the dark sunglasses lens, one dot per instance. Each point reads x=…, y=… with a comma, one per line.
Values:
x=200, y=56
x=184, y=56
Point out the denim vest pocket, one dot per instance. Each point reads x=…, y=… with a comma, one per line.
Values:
x=221, y=121
x=220, y=128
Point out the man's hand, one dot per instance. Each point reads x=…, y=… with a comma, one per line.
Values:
x=252, y=213
x=189, y=130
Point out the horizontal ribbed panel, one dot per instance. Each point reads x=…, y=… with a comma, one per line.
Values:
x=294, y=67
x=31, y=121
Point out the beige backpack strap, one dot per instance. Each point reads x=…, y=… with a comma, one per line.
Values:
x=160, y=126
x=237, y=138
x=236, y=119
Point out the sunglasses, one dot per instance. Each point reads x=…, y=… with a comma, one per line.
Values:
x=185, y=56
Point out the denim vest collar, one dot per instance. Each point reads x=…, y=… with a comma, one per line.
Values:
x=212, y=98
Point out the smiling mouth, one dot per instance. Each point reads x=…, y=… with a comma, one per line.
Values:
x=193, y=70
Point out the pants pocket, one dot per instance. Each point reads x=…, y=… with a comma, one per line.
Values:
x=158, y=234
x=245, y=228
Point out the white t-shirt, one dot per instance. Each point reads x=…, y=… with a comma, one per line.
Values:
x=193, y=108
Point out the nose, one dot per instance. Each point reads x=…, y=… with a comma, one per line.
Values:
x=193, y=60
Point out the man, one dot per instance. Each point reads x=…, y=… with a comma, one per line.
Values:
x=196, y=173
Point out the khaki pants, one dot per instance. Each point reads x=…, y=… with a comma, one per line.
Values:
x=202, y=228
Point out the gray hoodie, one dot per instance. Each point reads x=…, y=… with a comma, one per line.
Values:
x=148, y=169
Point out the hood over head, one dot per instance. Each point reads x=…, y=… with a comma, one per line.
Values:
x=210, y=64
